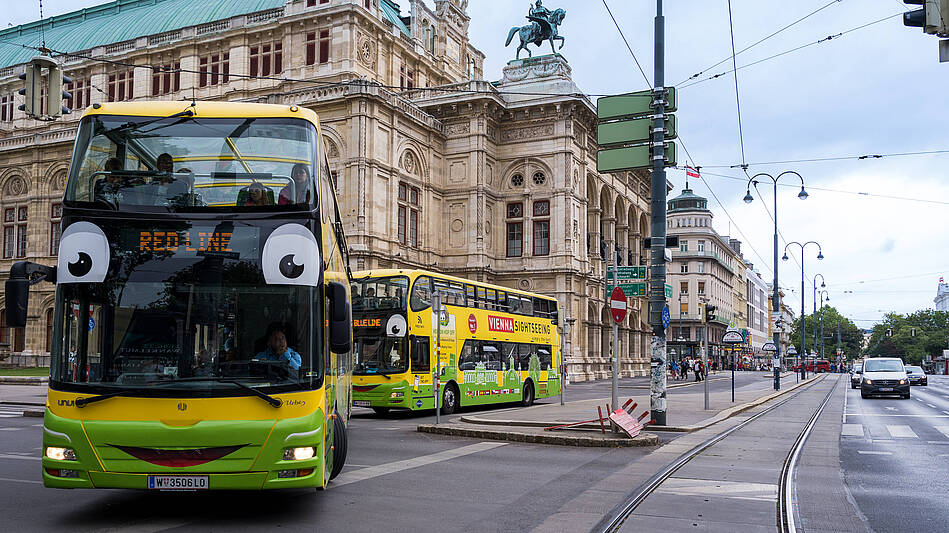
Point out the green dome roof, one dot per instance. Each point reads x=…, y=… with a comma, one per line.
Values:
x=687, y=201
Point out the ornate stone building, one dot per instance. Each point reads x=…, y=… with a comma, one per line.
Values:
x=434, y=167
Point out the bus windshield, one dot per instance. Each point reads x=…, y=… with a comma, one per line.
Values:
x=380, y=293
x=185, y=307
x=193, y=163
x=380, y=355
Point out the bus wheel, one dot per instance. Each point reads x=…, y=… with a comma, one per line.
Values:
x=528, y=398
x=450, y=399
x=381, y=411
x=340, y=445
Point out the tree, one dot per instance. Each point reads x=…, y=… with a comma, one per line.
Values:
x=851, y=337
x=931, y=330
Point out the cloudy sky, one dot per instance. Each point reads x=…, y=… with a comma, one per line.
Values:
x=882, y=222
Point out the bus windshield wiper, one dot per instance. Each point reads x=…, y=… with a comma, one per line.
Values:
x=82, y=402
x=275, y=402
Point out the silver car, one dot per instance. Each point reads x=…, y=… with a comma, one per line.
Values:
x=856, y=374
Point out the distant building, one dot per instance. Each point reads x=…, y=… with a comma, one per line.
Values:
x=942, y=296
x=756, y=308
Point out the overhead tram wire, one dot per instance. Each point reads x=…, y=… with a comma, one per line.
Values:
x=628, y=47
x=836, y=158
x=841, y=191
x=741, y=137
x=775, y=56
x=756, y=43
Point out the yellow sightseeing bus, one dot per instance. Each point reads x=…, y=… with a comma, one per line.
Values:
x=497, y=344
x=202, y=310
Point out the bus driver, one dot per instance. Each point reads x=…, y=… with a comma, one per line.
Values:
x=277, y=349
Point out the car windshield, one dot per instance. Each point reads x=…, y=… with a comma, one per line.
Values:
x=883, y=365
x=193, y=164
x=174, y=310
x=914, y=369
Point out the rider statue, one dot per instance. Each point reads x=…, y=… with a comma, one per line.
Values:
x=543, y=27
x=538, y=11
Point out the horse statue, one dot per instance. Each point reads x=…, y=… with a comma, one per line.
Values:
x=539, y=30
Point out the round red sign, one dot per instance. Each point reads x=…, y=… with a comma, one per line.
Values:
x=618, y=304
x=472, y=323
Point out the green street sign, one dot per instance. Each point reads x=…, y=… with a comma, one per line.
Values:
x=631, y=289
x=631, y=158
x=668, y=291
x=631, y=105
x=632, y=131
x=627, y=272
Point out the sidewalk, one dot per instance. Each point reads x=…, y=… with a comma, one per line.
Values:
x=685, y=413
x=23, y=394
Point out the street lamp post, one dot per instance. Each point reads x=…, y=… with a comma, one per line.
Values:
x=822, y=300
x=814, y=301
x=820, y=255
x=776, y=298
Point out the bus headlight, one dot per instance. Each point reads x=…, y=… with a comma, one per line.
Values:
x=397, y=395
x=299, y=454
x=60, y=454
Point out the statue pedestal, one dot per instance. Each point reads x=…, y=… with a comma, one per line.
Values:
x=545, y=75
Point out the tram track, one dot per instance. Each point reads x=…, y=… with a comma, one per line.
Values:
x=784, y=513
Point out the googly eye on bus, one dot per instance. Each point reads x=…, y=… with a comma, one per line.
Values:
x=291, y=256
x=83, y=254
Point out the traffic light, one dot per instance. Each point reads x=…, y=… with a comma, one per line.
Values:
x=889, y=332
x=710, y=313
x=932, y=17
x=32, y=90
x=55, y=94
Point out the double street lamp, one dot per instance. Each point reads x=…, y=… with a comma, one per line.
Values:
x=814, y=300
x=776, y=298
x=822, y=300
x=820, y=255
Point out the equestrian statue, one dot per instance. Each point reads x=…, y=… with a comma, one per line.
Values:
x=543, y=27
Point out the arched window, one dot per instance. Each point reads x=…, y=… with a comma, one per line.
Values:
x=49, y=329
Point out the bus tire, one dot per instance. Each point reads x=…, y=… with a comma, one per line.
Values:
x=528, y=395
x=381, y=411
x=450, y=399
x=340, y=445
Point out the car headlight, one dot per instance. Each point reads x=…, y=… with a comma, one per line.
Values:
x=868, y=382
x=60, y=454
x=299, y=454
x=902, y=382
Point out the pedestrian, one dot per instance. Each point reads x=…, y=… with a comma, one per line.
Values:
x=697, y=369
x=685, y=368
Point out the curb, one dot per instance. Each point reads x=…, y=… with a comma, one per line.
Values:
x=643, y=439
x=722, y=415
x=23, y=380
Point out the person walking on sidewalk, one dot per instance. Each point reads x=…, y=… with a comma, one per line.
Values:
x=686, y=365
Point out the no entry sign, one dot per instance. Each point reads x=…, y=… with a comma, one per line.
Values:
x=618, y=304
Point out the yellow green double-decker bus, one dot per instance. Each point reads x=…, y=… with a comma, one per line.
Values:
x=497, y=344
x=202, y=310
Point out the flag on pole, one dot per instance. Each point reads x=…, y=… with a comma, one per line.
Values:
x=691, y=172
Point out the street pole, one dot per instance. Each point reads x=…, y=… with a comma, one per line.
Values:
x=776, y=298
x=803, y=346
x=705, y=356
x=657, y=280
x=822, y=326
x=615, y=393
x=436, y=382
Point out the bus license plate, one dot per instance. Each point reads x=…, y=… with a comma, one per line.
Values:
x=361, y=403
x=178, y=482
x=886, y=389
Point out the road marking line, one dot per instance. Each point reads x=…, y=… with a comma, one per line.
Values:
x=905, y=432
x=943, y=429
x=14, y=456
x=10, y=429
x=20, y=480
x=871, y=452
x=911, y=416
x=390, y=468
x=947, y=412
x=852, y=430
x=890, y=408
x=729, y=489
x=931, y=405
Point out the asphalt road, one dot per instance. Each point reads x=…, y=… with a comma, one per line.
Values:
x=894, y=455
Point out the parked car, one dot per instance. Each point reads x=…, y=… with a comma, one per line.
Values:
x=856, y=374
x=884, y=375
x=916, y=375
x=820, y=365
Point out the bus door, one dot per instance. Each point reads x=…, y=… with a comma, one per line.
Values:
x=421, y=362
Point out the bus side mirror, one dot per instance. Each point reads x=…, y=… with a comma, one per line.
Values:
x=17, y=287
x=18, y=295
x=340, y=319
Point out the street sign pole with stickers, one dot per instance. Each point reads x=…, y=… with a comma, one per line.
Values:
x=732, y=337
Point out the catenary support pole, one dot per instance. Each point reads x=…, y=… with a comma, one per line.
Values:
x=776, y=299
x=705, y=357
x=657, y=279
x=615, y=388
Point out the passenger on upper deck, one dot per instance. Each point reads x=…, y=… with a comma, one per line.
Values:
x=301, y=183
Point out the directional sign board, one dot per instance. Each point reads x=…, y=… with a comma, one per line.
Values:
x=632, y=105
x=630, y=289
x=732, y=337
x=770, y=347
x=631, y=158
x=631, y=131
x=618, y=304
x=627, y=272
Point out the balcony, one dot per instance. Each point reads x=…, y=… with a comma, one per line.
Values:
x=696, y=254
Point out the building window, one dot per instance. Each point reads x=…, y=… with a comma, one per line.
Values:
x=684, y=268
x=409, y=207
x=214, y=69
x=684, y=309
x=120, y=86
x=266, y=59
x=310, y=48
x=539, y=178
x=14, y=232
x=19, y=334
x=311, y=3
x=701, y=267
x=517, y=180
x=49, y=329
x=684, y=287
x=683, y=246
x=368, y=4
x=4, y=330
x=166, y=79
x=324, y=46
x=701, y=287
x=701, y=246
x=406, y=77
x=515, y=229
x=6, y=107
x=81, y=91
x=55, y=227
x=541, y=227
